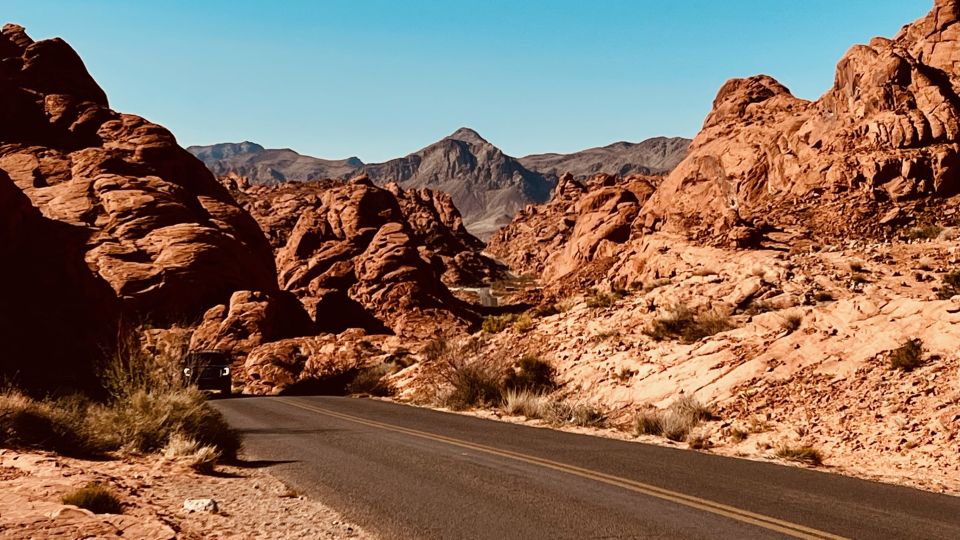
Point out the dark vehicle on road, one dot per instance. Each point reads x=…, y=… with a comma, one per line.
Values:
x=208, y=370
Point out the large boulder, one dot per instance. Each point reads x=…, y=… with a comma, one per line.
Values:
x=885, y=137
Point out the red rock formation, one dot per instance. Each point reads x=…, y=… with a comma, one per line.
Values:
x=880, y=142
x=580, y=224
x=105, y=214
x=355, y=237
x=164, y=234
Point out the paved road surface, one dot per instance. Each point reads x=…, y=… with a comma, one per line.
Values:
x=407, y=472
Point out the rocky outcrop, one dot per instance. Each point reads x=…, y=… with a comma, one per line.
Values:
x=880, y=142
x=251, y=319
x=354, y=237
x=166, y=237
x=103, y=215
x=314, y=364
x=582, y=223
x=658, y=155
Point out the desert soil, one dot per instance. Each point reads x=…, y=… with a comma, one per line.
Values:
x=152, y=490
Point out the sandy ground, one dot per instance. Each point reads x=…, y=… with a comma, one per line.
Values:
x=251, y=503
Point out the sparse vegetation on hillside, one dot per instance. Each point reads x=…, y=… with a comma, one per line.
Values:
x=495, y=324
x=680, y=322
x=600, y=299
x=791, y=322
x=924, y=232
x=950, y=286
x=908, y=356
x=532, y=374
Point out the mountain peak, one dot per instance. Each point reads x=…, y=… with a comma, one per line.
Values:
x=467, y=135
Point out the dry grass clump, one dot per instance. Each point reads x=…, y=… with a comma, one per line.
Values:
x=648, y=422
x=371, y=381
x=94, y=497
x=495, y=324
x=546, y=310
x=147, y=405
x=791, y=322
x=199, y=457
x=924, y=232
x=856, y=266
x=599, y=299
x=680, y=322
x=531, y=373
x=908, y=356
x=674, y=423
x=558, y=412
x=523, y=323
x=737, y=435
x=524, y=403
x=473, y=384
x=801, y=454
x=458, y=377
x=536, y=405
x=950, y=286
x=57, y=425
x=823, y=296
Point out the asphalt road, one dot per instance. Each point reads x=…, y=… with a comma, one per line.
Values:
x=407, y=472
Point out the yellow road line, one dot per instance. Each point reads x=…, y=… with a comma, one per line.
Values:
x=743, y=516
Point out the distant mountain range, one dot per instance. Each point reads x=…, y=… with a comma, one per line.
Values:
x=487, y=186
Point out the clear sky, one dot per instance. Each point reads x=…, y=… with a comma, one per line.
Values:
x=381, y=78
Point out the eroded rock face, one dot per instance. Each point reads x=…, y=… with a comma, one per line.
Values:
x=582, y=223
x=251, y=319
x=104, y=216
x=885, y=137
x=165, y=236
x=355, y=260
x=306, y=364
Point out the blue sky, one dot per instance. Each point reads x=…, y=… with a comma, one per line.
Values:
x=379, y=79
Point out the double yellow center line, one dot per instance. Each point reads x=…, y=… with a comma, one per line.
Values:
x=743, y=516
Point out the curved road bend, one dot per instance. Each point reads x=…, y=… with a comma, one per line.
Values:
x=408, y=472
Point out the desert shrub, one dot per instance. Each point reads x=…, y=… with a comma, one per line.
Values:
x=859, y=278
x=950, y=286
x=371, y=381
x=495, y=324
x=856, y=266
x=687, y=406
x=648, y=422
x=545, y=310
x=823, y=296
x=49, y=425
x=600, y=299
x=737, y=435
x=674, y=423
x=924, y=232
x=473, y=384
x=523, y=323
x=94, y=497
x=560, y=412
x=524, y=403
x=908, y=356
x=680, y=322
x=791, y=322
x=531, y=373
x=802, y=454
x=199, y=457
x=145, y=421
